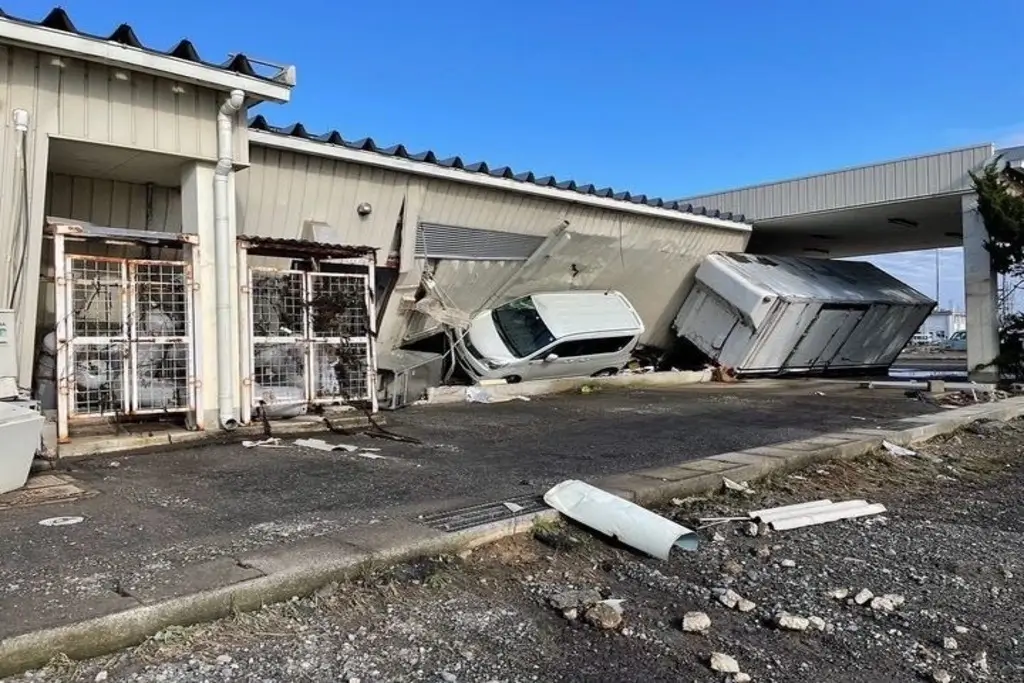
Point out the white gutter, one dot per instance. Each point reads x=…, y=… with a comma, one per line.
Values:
x=420, y=168
x=52, y=41
x=223, y=242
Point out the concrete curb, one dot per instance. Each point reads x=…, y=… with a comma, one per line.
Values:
x=457, y=394
x=301, y=568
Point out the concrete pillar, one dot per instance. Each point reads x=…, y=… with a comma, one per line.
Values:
x=197, y=219
x=981, y=286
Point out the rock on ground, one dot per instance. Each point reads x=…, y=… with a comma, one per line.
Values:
x=723, y=663
x=696, y=622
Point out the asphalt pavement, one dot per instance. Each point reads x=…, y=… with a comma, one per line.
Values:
x=157, y=511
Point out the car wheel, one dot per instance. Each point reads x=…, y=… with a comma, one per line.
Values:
x=607, y=372
x=513, y=379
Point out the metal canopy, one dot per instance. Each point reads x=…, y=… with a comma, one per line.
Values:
x=71, y=229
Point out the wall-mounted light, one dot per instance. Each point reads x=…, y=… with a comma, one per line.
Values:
x=121, y=75
x=178, y=89
x=364, y=209
x=57, y=62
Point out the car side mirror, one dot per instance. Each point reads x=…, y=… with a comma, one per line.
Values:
x=550, y=357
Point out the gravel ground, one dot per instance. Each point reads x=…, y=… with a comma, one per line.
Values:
x=946, y=560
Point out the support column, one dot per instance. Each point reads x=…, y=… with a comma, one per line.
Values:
x=197, y=219
x=981, y=286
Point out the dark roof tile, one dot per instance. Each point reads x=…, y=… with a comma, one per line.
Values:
x=333, y=137
x=58, y=20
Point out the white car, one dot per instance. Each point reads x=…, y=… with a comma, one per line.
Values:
x=578, y=333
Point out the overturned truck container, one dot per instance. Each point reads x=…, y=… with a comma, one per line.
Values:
x=779, y=315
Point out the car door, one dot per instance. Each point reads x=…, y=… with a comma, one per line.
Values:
x=566, y=358
x=581, y=357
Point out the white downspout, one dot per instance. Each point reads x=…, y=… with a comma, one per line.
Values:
x=223, y=242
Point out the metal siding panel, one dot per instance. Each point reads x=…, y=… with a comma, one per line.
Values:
x=899, y=180
x=90, y=102
x=466, y=284
x=450, y=242
x=282, y=190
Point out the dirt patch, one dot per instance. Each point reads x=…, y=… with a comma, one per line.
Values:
x=943, y=568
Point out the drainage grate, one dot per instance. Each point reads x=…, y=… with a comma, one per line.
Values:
x=460, y=519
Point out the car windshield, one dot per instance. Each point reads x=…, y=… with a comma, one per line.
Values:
x=521, y=328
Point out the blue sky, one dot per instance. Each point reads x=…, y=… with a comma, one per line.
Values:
x=661, y=97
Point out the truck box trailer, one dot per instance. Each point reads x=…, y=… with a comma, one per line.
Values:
x=788, y=314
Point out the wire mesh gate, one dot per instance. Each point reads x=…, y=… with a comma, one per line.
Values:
x=127, y=338
x=311, y=339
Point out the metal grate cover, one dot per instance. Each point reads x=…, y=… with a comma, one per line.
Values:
x=461, y=519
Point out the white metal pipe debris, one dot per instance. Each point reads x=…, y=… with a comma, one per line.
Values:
x=223, y=243
x=619, y=518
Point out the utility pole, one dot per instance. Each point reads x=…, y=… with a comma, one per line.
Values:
x=937, y=278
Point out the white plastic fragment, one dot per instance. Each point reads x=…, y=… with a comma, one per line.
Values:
x=740, y=487
x=513, y=507
x=613, y=516
x=321, y=445
x=370, y=456
x=60, y=521
x=272, y=442
x=893, y=449
x=815, y=512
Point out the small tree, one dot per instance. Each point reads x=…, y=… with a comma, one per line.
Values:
x=1000, y=193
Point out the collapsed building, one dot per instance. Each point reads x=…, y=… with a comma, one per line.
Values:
x=171, y=256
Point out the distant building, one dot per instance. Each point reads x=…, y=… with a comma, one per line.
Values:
x=942, y=324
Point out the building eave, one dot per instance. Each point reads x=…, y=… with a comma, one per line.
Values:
x=368, y=158
x=62, y=43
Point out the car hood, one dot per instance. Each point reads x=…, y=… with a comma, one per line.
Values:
x=484, y=337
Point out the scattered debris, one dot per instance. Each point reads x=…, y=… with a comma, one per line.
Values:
x=478, y=394
x=575, y=598
x=950, y=644
x=618, y=518
x=840, y=593
x=791, y=622
x=723, y=663
x=696, y=622
x=863, y=597
x=886, y=603
x=60, y=521
x=741, y=678
x=813, y=513
x=817, y=623
x=513, y=507
x=271, y=442
x=605, y=615
x=321, y=445
x=370, y=455
x=941, y=676
x=787, y=564
x=752, y=529
x=739, y=487
x=893, y=449
x=981, y=662
x=734, y=600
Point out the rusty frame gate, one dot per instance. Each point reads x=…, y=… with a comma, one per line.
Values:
x=125, y=335
x=308, y=338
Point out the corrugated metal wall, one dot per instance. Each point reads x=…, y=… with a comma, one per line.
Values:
x=107, y=203
x=651, y=260
x=95, y=103
x=898, y=180
x=281, y=190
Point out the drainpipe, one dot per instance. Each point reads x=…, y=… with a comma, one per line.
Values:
x=223, y=242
